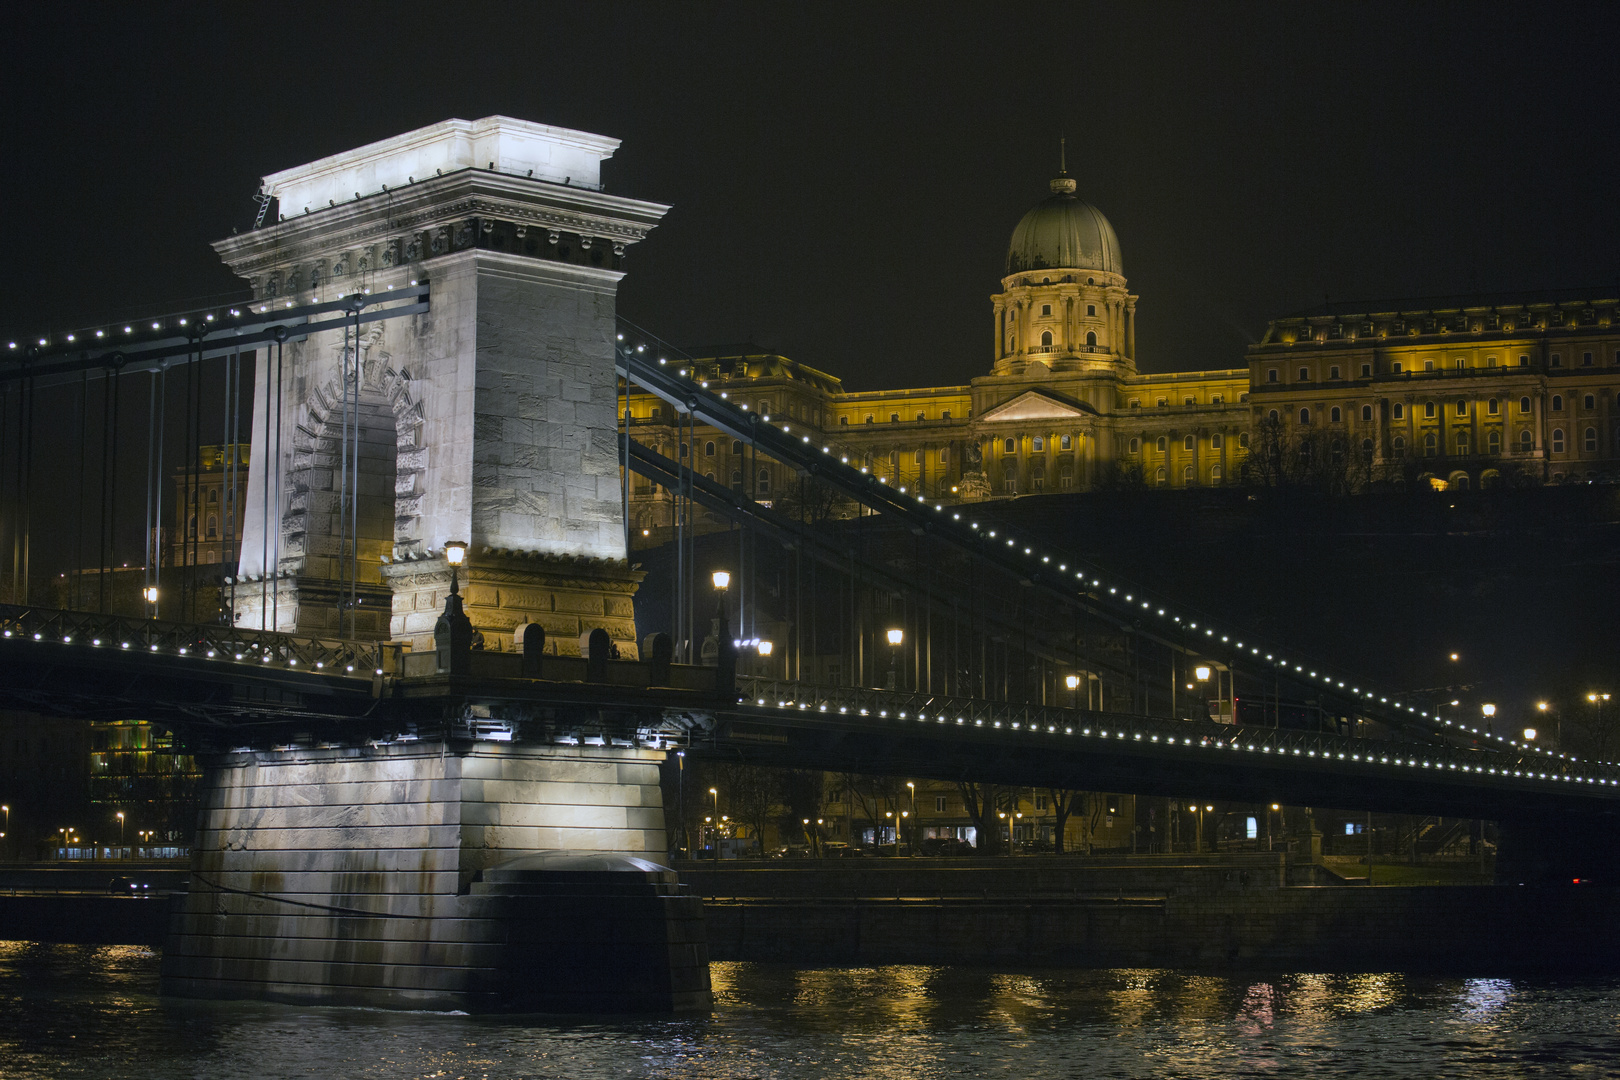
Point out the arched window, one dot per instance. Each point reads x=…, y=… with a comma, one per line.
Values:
x=1493, y=442
x=1558, y=440
x=1336, y=451
x=764, y=487
x=1037, y=445
x=920, y=458
x=944, y=455
x=1272, y=416
x=1158, y=477
x=1366, y=412
x=1243, y=440
x=1304, y=416
x=1333, y=417
x=1009, y=480
x=1187, y=476
x=1037, y=479
x=708, y=448
x=1589, y=402
x=1558, y=403
x=843, y=421
x=1462, y=444
x=1189, y=443
x=213, y=526
x=1589, y=443
x=1526, y=442
x=1524, y=405
x=1428, y=410
x=1398, y=445
x=1066, y=477
x=1009, y=446
x=1367, y=446
x=736, y=446
x=1162, y=445
x=213, y=497
x=1091, y=339
x=1215, y=474
x=736, y=480
x=1462, y=406
x=1397, y=411
x=1066, y=442
x=1429, y=445
x=1492, y=407
x=1046, y=339
x=1216, y=441
x=709, y=475
x=1136, y=446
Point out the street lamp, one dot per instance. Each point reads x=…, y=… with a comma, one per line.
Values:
x=765, y=647
x=680, y=811
x=1489, y=711
x=725, y=657
x=896, y=637
x=1073, y=683
x=120, y=817
x=716, y=793
x=1529, y=734
x=912, y=788
x=150, y=593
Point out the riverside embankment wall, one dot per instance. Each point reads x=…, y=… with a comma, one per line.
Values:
x=1127, y=913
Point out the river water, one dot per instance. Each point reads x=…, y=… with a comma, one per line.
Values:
x=94, y=1011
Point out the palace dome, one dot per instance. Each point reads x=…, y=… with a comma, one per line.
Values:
x=1064, y=232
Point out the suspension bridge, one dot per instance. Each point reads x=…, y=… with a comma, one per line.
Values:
x=419, y=682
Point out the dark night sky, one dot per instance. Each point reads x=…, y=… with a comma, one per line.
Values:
x=844, y=178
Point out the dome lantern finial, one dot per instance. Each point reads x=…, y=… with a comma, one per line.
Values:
x=1063, y=185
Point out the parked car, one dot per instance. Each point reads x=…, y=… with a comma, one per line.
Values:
x=946, y=846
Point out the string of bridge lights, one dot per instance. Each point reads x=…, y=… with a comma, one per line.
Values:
x=183, y=650
x=136, y=328
x=1299, y=672
x=1205, y=742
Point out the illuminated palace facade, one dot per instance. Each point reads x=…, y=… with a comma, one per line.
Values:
x=1445, y=394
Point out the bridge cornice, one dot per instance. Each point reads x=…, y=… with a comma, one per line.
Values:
x=439, y=203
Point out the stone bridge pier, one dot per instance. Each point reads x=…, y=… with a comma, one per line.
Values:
x=372, y=864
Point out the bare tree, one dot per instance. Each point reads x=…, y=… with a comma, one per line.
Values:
x=751, y=793
x=982, y=802
x=1064, y=803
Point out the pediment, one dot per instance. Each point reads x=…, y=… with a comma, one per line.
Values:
x=1034, y=405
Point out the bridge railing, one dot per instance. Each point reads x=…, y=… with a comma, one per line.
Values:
x=896, y=706
x=228, y=644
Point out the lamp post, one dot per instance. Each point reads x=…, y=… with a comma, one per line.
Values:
x=725, y=656
x=120, y=817
x=820, y=851
x=896, y=636
x=1201, y=673
x=150, y=594
x=1488, y=710
x=1275, y=809
x=452, y=634
x=912, y=788
x=1597, y=698
x=890, y=815
x=1073, y=683
x=716, y=793
x=680, y=800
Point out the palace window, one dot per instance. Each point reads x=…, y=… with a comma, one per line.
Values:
x=1037, y=479
x=1428, y=365
x=1243, y=440
x=1526, y=443
x=708, y=448
x=1492, y=407
x=1333, y=372
x=1397, y=411
x=844, y=421
x=1462, y=444
x=1304, y=374
x=213, y=496
x=944, y=455
x=1333, y=416
x=1398, y=444
x=1524, y=359
x=1590, y=445
x=1009, y=481
x=1163, y=402
x=1188, y=443
x=1162, y=445
x=1189, y=402
x=1216, y=399
x=1558, y=403
x=1398, y=367
x=1558, y=440
x=1216, y=442
x=1304, y=416
x=1462, y=407
x=1046, y=309
x=1066, y=477
x=1091, y=311
x=683, y=449
x=869, y=418
x=1428, y=410
x=1367, y=446
x=1589, y=403
x=1038, y=445
x=736, y=480
x=1271, y=376
x=946, y=415
x=1429, y=445
x=1136, y=446
x=1493, y=442
x=1490, y=361
x=1366, y=412
x=764, y=487
x=894, y=418
x=1009, y=446
x=921, y=417
x=1524, y=405
x=921, y=457
x=1158, y=477
x=1557, y=360
x=1586, y=359
x=709, y=475
x=1066, y=442
x=1272, y=416
x=1091, y=339
x=1187, y=476
x=213, y=524
x=1462, y=363
x=1366, y=371
x=1336, y=451
x=939, y=804
x=1136, y=403
x=1046, y=339
x=1215, y=474
x=894, y=459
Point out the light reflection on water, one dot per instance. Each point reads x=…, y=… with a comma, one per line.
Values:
x=82, y=1011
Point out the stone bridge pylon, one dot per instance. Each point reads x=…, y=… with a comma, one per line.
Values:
x=488, y=419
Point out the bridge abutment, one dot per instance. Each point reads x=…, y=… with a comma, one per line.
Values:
x=447, y=874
